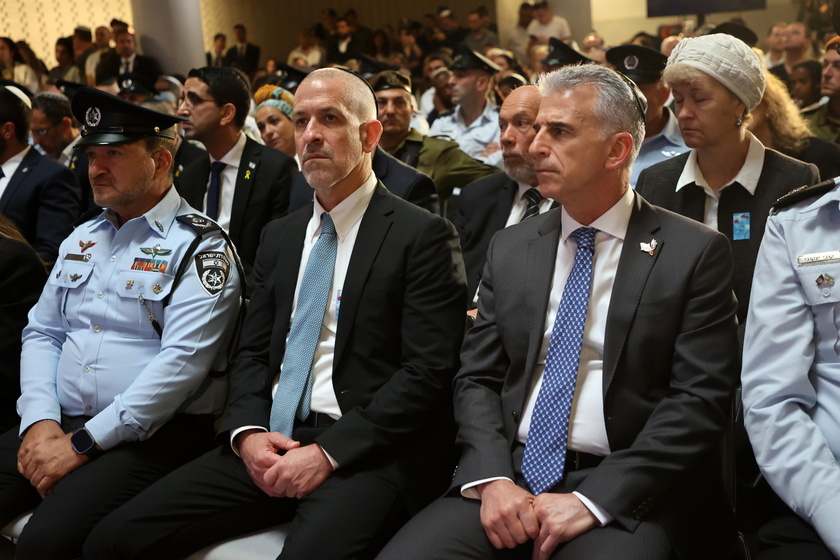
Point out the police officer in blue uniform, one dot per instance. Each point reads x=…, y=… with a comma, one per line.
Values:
x=474, y=121
x=662, y=131
x=791, y=370
x=117, y=382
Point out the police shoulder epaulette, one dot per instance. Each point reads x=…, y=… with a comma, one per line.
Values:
x=87, y=216
x=802, y=193
x=199, y=224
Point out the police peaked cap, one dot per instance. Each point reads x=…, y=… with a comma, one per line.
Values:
x=641, y=64
x=471, y=60
x=109, y=120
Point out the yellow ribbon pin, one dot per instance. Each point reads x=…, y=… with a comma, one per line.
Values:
x=248, y=174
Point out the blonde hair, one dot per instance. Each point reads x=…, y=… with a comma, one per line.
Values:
x=788, y=129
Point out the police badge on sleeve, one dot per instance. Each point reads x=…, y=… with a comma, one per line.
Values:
x=213, y=268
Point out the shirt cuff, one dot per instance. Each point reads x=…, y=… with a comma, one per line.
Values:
x=238, y=431
x=332, y=461
x=468, y=490
x=600, y=513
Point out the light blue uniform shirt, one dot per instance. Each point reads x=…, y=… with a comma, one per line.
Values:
x=475, y=138
x=665, y=145
x=90, y=349
x=791, y=366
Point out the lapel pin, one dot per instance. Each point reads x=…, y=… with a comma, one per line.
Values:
x=252, y=165
x=129, y=284
x=649, y=248
x=74, y=277
x=247, y=174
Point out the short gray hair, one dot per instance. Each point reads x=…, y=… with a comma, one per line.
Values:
x=616, y=107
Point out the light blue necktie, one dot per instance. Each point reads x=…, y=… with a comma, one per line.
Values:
x=295, y=388
x=545, y=450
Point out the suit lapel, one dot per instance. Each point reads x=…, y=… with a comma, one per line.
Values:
x=542, y=259
x=27, y=165
x=634, y=267
x=372, y=232
x=504, y=201
x=248, y=167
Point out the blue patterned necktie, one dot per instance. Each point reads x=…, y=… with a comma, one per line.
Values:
x=545, y=450
x=214, y=192
x=534, y=199
x=295, y=388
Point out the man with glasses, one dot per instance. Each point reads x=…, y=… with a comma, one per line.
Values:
x=40, y=196
x=240, y=184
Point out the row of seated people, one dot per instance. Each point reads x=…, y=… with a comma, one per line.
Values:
x=587, y=425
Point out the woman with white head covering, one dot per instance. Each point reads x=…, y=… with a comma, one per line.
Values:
x=728, y=180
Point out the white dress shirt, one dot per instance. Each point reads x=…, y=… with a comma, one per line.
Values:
x=227, y=185
x=747, y=177
x=587, y=429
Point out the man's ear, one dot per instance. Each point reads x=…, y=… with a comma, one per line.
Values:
x=370, y=132
x=620, y=149
x=163, y=162
x=228, y=114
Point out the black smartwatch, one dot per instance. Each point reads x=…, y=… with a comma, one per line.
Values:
x=83, y=443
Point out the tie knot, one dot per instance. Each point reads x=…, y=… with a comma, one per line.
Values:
x=217, y=167
x=533, y=195
x=585, y=237
x=327, y=225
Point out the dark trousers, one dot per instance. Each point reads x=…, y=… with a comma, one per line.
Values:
x=451, y=528
x=63, y=519
x=351, y=515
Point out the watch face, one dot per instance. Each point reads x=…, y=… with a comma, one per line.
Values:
x=82, y=441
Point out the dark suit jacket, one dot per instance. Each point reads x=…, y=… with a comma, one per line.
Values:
x=187, y=154
x=247, y=63
x=78, y=164
x=43, y=200
x=261, y=195
x=779, y=175
x=669, y=369
x=22, y=277
x=396, y=349
x=146, y=66
x=402, y=180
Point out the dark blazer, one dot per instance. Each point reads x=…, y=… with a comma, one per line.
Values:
x=146, y=66
x=779, y=175
x=402, y=180
x=669, y=369
x=187, y=153
x=261, y=195
x=78, y=164
x=43, y=200
x=22, y=277
x=396, y=349
x=247, y=63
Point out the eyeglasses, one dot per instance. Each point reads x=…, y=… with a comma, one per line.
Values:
x=192, y=100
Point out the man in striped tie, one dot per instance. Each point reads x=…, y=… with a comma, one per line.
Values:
x=594, y=385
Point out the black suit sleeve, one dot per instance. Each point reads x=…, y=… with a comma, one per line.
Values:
x=58, y=208
x=423, y=193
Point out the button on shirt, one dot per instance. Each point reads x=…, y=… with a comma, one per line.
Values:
x=475, y=138
x=90, y=349
x=227, y=187
x=665, y=145
x=747, y=177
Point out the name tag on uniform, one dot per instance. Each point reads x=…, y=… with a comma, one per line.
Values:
x=814, y=258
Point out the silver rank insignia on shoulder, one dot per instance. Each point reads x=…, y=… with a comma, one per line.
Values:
x=213, y=269
x=198, y=221
x=825, y=279
x=649, y=248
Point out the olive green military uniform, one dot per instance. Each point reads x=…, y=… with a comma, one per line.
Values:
x=824, y=124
